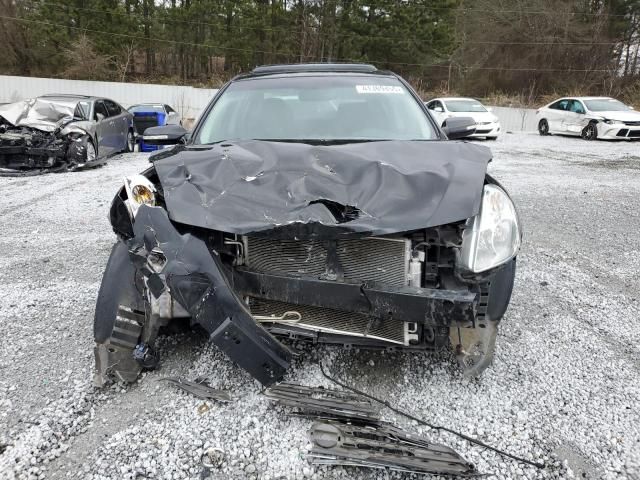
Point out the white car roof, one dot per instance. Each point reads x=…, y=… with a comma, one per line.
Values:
x=444, y=99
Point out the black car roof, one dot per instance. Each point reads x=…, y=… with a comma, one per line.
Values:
x=265, y=70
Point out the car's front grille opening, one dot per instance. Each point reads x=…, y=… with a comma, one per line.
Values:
x=333, y=321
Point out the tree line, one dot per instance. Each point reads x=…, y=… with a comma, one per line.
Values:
x=516, y=48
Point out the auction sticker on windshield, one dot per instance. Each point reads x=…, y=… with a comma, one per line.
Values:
x=379, y=89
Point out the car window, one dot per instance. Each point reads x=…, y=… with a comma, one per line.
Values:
x=606, y=105
x=560, y=105
x=100, y=109
x=113, y=108
x=169, y=109
x=576, y=106
x=319, y=108
x=465, y=106
x=82, y=110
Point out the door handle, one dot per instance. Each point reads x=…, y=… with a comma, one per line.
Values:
x=111, y=123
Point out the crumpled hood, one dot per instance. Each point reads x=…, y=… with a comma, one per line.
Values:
x=39, y=113
x=299, y=190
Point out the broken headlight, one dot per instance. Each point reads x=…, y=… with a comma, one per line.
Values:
x=140, y=191
x=492, y=237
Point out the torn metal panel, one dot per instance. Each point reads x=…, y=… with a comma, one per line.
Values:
x=301, y=190
x=382, y=446
x=196, y=279
x=324, y=400
x=199, y=387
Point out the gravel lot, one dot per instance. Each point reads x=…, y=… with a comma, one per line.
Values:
x=563, y=389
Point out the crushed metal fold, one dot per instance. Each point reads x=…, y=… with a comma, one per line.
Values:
x=347, y=431
x=198, y=387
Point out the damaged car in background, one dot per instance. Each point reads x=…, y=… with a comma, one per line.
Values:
x=55, y=133
x=320, y=203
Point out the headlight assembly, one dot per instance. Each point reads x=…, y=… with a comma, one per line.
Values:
x=492, y=237
x=140, y=191
x=613, y=122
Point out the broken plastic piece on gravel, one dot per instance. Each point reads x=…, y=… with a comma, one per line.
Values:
x=199, y=388
x=212, y=458
x=325, y=400
x=382, y=446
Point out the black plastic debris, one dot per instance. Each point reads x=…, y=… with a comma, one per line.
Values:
x=382, y=446
x=347, y=431
x=319, y=400
x=200, y=388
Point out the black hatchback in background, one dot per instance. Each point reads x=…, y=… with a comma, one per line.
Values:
x=312, y=202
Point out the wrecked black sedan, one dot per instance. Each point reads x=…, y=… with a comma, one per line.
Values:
x=54, y=133
x=319, y=203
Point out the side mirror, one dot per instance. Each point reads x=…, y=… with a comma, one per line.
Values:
x=438, y=109
x=164, y=135
x=459, y=127
x=489, y=109
x=99, y=117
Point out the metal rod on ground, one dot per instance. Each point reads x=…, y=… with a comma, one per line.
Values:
x=469, y=439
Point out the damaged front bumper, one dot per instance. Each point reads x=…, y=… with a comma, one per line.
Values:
x=26, y=151
x=183, y=276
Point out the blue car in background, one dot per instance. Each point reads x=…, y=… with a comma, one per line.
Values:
x=147, y=115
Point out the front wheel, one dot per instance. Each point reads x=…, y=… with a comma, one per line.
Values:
x=590, y=132
x=543, y=127
x=131, y=142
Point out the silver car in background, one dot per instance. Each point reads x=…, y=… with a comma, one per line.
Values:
x=590, y=117
x=62, y=132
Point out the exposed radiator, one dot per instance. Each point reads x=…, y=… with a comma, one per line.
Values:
x=333, y=321
x=373, y=259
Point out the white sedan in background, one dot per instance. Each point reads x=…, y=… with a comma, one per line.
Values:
x=487, y=124
x=590, y=118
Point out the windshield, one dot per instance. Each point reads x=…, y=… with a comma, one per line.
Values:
x=146, y=108
x=320, y=108
x=465, y=106
x=606, y=105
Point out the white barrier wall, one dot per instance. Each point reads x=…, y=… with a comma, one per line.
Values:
x=516, y=119
x=188, y=101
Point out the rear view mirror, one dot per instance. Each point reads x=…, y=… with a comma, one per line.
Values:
x=459, y=127
x=164, y=135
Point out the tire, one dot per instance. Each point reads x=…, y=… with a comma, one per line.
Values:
x=590, y=132
x=131, y=142
x=81, y=152
x=543, y=127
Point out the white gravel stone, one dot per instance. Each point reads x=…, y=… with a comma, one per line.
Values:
x=563, y=388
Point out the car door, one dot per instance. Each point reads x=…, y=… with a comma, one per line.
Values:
x=556, y=115
x=436, y=108
x=119, y=124
x=574, y=118
x=104, y=131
